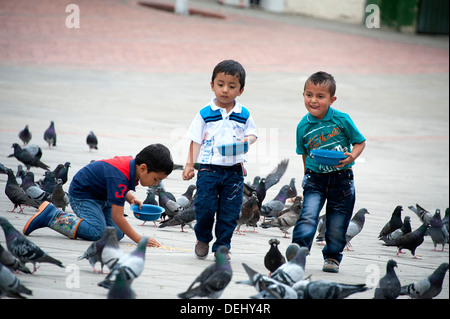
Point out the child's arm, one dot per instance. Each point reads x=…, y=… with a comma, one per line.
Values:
x=351, y=157
x=122, y=223
x=250, y=139
x=194, y=150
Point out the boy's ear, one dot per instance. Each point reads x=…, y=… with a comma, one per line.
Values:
x=334, y=98
x=242, y=91
x=143, y=167
x=212, y=85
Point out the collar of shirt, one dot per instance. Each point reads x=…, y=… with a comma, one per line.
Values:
x=133, y=182
x=327, y=117
x=236, y=109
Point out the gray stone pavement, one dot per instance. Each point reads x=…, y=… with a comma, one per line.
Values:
x=395, y=87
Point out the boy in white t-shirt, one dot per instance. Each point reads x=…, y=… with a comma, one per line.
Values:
x=220, y=177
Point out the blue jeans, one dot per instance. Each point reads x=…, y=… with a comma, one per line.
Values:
x=96, y=214
x=337, y=188
x=219, y=190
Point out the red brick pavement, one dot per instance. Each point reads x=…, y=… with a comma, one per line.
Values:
x=123, y=35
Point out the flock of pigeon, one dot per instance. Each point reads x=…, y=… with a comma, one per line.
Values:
x=286, y=273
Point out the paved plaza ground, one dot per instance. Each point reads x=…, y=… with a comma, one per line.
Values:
x=137, y=76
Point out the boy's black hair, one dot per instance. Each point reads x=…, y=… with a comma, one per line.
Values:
x=323, y=78
x=157, y=158
x=230, y=67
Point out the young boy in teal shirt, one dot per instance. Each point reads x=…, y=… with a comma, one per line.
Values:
x=326, y=128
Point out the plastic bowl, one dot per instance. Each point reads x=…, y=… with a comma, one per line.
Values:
x=233, y=149
x=328, y=157
x=147, y=212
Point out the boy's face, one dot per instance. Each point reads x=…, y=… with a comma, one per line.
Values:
x=148, y=178
x=317, y=99
x=226, y=87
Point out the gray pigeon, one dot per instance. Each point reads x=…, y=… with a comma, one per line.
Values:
x=10, y=285
x=185, y=199
x=429, y=287
x=16, y=194
x=249, y=210
x=167, y=201
x=25, y=135
x=24, y=249
x=182, y=218
x=409, y=241
x=106, y=250
x=34, y=191
x=267, y=287
x=437, y=230
x=356, y=225
x=132, y=263
x=7, y=259
x=276, y=205
x=406, y=228
x=121, y=288
x=50, y=135
x=326, y=289
x=394, y=223
x=287, y=219
x=389, y=286
x=321, y=229
x=24, y=156
x=91, y=141
x=293, y=270
x=3, y=169
x=273, y=258
x=213, y=280
x=59, y=197
x=424, y=215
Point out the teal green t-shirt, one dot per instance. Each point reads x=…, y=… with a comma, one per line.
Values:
x=336, y=131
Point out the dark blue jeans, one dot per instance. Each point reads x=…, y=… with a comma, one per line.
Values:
x=219, y=196
x=338, y=190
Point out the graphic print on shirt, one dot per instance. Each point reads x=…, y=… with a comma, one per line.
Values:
x=121, y=193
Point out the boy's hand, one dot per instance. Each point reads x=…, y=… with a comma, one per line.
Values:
x=346, y=161
x=188, y=172
x=153, y=243
x=136, y=201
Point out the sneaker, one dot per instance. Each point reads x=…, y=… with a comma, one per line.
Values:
x=331, y=265
x=201, y=250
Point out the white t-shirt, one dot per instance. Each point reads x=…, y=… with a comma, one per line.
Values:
x=213, y=127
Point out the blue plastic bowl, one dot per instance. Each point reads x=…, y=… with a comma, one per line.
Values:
x=328, y=157
x=233, y=149
x=147, y=212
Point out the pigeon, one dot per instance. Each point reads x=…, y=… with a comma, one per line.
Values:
x=10, y=285
x=389, y=286
x=106, y=250
x=121, y=288
x=167, y=201
x=7, y=259
x=293, y=270
x=326, y=289
x=409, y=241
x=132, y=263
x=287, y=219
x=91, y=141
x=25, y=135
x=24, y=156
x=16, y=194
x=445, y=219
x=406, y=228
x=355, y=226
x=427, y=288
x=23, y=249
x=321, y=229
x=437, y=230
x=276, y=205
x=267, y=287
x=59, y=197
x=3, y=169
x=186, y=198
x=48, y=183
x=213, y=280
x=150, y=199
x=424, y=215
x=249, y=210
x=394, y=223
x=50, y=135
x=64, y=172
x=34, y=191
x=273, y=258
x=292, y=189
x=182, y=218
x=265, y=183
